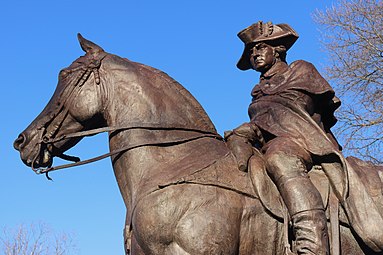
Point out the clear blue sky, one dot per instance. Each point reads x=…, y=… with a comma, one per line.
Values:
x=193, y=41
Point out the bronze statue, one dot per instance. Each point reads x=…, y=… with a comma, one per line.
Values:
x=180, y=182
x=293, y=106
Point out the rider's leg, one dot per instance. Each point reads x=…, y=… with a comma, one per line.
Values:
x=287, y=165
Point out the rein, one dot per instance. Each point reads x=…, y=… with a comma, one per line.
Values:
x=78, y=162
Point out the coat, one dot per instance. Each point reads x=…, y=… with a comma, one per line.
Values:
x=296, y=103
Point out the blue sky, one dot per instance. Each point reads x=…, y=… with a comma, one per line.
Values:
x=195, y=42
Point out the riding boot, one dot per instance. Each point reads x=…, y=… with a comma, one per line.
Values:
x=310, y=231
x=308, y=218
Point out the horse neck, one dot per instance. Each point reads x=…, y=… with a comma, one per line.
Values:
x=145, y=96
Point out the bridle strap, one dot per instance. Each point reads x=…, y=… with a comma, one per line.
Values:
x=127, y=148
x=69, y=94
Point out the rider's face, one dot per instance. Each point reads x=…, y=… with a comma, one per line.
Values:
x=262, y=57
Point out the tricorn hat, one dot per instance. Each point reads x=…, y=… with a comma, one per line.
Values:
x=274, y=35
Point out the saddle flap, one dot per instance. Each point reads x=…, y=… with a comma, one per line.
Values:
x=268, y=193
x=321, y=183
x=265, y=187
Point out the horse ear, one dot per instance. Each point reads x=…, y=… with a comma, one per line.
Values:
x=88, y=46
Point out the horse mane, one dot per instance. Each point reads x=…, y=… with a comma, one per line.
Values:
x=163, y=80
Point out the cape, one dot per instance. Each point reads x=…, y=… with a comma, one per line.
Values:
x=280, y=108
x=276, y=106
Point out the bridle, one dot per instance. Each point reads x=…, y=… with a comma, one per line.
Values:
x=48, y=130
x=57, y=116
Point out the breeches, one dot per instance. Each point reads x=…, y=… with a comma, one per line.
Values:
x=285, y=158
x=287, y=164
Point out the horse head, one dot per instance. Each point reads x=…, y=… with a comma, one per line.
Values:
x=74, y=106
x=103, y=90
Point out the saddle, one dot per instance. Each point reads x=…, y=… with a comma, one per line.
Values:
x=362, y=210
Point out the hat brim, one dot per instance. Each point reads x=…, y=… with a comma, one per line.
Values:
x=244, y=62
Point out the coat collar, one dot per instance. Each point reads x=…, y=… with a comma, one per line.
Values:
x=277, y=68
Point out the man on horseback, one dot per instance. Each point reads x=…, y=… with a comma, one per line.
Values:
x=291, y=114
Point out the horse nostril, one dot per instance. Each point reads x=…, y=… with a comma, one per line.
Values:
x=18, y=143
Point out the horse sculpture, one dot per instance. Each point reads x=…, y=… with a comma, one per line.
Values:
x=179, y=181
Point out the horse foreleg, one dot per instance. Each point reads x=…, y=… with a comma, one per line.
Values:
x=130, y=244
x=135, y=249
x=127, y=239
x=176, y=221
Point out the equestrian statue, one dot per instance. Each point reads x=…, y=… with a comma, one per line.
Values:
x=278, y=184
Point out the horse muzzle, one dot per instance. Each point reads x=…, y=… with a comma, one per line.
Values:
x=19, y=143
x=35, y=156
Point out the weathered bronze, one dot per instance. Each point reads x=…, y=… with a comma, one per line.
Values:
x=180, y=181
x=293, y=107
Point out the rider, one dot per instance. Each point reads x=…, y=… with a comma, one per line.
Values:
x=292, y=111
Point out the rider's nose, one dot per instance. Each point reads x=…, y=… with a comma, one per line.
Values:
x=19, y=142
x=254, y=53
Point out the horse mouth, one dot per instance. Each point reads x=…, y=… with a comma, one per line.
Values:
x=42, y=159
x=47, y=158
